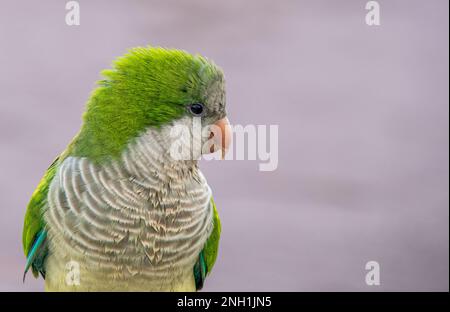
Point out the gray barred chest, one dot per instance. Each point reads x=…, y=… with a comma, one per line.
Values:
x=123, y=221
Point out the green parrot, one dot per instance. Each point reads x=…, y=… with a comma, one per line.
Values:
x=115, y=211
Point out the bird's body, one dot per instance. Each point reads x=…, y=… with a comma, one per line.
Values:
x=132, y=218
x=137, y=222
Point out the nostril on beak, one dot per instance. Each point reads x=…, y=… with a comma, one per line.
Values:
x=211, y=135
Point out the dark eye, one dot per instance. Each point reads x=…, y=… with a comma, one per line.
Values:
x=196, y=109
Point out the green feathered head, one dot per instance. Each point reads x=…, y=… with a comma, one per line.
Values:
x=148, y=87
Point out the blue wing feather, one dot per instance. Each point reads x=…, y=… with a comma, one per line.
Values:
x=200, y=271
x=35, y=253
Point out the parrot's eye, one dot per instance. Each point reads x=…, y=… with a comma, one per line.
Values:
x=196, y=109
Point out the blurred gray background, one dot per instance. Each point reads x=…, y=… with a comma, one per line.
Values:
x=363, y=130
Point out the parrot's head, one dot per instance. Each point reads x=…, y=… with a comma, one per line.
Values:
x=153, y=89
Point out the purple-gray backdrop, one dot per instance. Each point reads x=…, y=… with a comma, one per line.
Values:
x=363, y=130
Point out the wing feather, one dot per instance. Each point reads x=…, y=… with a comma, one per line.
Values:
x=34, y=234
x=208, y=255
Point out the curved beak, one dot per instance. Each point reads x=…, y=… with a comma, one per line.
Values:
x=224, y=139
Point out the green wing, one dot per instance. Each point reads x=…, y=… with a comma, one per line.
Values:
x=208, y=255
x=212, y=244
x=33, y=229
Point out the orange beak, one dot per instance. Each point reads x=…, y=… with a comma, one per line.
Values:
x=224, y=139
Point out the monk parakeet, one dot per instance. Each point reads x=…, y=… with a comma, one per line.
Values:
x=115, y=208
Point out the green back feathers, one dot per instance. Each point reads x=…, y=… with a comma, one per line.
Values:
x=146, y=87
x=34, y=221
